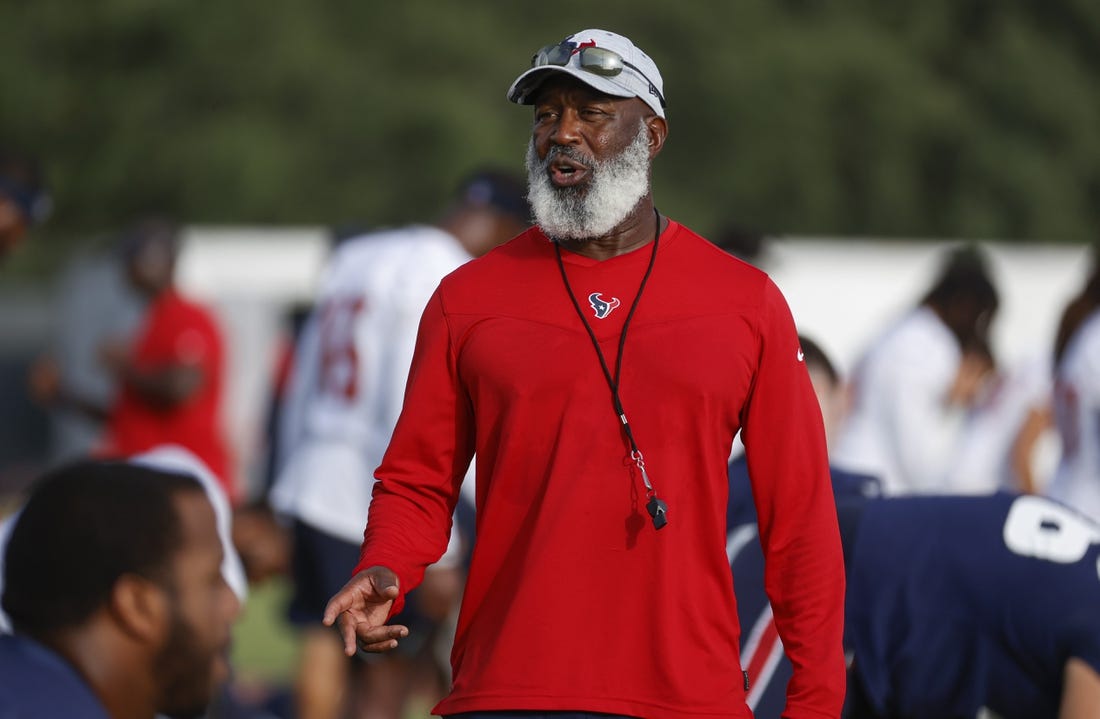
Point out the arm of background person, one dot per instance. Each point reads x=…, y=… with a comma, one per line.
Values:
x=48, y=389
x=1038, y=420
x=166, y=386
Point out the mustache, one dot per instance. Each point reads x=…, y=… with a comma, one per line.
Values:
x=571, y=153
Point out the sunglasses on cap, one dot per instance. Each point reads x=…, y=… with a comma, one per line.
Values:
x=596, y=60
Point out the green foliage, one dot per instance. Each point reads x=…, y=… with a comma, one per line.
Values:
x=960, y=118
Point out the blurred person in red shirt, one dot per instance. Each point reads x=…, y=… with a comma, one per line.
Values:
x=171, y=373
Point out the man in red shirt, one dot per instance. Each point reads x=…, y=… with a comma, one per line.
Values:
x=171, y=375
x=599, y=581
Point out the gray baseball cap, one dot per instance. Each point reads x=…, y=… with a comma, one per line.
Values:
x=603, y=60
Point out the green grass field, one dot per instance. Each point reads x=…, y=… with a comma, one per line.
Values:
x=265, y=646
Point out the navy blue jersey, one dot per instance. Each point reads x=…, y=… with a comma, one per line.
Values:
x=39, y=683
x=957, y=603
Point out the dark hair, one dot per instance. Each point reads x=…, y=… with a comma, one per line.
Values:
x=816, y=357
x=496, y=189
x=153, y=229
x=963, y=294
x=742, y=242
x=84, y=526
x=1079, y=308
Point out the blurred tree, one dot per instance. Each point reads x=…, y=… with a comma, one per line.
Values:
x=949, y=118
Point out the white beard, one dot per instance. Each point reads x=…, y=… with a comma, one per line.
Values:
x=596, y=208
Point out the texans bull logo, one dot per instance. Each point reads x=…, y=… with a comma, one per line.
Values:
x=601, y=306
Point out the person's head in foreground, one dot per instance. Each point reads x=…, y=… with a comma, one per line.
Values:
x=599, y=121
x=116, y=568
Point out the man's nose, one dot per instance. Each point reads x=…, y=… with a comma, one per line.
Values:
x=566, y=130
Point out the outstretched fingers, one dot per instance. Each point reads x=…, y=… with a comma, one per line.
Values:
x=360, y=611
x=382, y=639
x=359, y=632
x=336, y=606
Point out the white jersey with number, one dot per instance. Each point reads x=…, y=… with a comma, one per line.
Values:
x=349, y=373
x=900, y=428
x=1077, y=415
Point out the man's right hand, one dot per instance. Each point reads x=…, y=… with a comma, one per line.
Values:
x=362, y=607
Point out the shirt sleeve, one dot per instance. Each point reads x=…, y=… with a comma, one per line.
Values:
x=788, y=465
x=421, y=473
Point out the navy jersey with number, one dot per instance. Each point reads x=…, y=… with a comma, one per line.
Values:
x=954, y=604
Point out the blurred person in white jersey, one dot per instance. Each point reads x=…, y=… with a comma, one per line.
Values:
x=345, y=394
x=911, y=390
x=1076, y=482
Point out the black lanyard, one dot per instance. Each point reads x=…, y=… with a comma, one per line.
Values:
x=656, y=507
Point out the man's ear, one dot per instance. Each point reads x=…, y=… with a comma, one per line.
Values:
x=657, y=127
x=141, y=608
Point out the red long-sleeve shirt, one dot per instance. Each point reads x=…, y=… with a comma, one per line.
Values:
x=574, y=600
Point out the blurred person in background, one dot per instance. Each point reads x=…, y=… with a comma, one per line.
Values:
x=599, y=581
x=1077, y=398
x=910, y=391
x=345, y=394
x=96, y=306
x=24, y=201
x=112, y=581
x=942, y=616
x=957, y=606
x=171, y=372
